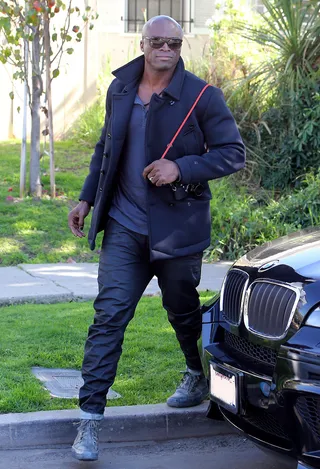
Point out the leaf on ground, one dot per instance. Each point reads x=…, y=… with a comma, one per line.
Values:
x=71, y=261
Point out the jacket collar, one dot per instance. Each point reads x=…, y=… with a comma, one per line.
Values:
x=131, y=73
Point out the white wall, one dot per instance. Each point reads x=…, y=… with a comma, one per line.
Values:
x=8, y=113
x=76, y=86
x=202, y=11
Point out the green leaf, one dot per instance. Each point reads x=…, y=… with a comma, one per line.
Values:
x=5, y=24
x=11, y=95
x=70, y=50
x=79, y=36
x=55, y=73
x=18, y=109
x=54, y=37
x=7, y=52
x=17, y=54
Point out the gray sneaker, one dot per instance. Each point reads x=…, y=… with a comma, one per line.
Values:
x=192, y=390
x=85, y=446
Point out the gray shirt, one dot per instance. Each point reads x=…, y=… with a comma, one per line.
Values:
x=129, y=205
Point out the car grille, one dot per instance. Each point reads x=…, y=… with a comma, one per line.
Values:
x=266, y=422
x=270, y=308
x=309, y=410
x=232, y=295
x=255, y=353
x=260, y=424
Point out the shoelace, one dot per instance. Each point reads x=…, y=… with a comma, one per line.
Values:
x=83, y=425
x=189, y=381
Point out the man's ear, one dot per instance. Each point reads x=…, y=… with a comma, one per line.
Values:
x=141, y=45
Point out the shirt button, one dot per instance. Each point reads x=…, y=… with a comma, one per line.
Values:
x=100, y=189
x=109, y=136
x=102, y=172
x=189, y=204
x=105, y=155
x=171, y=204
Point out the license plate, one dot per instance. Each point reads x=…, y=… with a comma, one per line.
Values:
x=224, y=387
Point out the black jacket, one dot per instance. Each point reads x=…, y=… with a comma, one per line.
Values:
x=208, y=147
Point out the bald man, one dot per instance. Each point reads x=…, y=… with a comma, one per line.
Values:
x=154, y=211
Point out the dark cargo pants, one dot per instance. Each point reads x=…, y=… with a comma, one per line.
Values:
x=124, y=272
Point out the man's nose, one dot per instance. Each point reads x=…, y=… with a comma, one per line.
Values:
x=165, y=47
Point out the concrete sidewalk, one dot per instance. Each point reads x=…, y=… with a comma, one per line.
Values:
x=54, y=283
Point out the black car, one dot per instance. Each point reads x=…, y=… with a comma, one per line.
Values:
x=261, y=347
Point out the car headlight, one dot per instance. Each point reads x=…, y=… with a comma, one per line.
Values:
x=314, y=318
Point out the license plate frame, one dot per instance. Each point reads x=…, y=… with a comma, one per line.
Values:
x=229, y=381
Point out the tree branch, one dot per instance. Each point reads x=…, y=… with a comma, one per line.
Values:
x=66, y=29
x=26, y=75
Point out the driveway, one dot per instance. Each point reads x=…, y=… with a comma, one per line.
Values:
x=220, y=452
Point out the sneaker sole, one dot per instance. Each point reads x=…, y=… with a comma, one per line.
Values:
x=184, y=404
x=86, y=456
x=176, y=402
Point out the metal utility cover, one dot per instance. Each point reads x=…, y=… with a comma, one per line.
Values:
x=64, y=383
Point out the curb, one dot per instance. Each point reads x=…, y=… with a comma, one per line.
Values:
x=55, y=299
x=56, y=283
x=121, y=424
x=46, y=299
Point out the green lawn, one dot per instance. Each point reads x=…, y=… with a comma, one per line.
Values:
x=36, y=231
x=53, y=336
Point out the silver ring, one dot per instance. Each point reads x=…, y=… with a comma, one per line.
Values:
x=150, y=178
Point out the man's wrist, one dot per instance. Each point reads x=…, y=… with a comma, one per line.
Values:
x=179, y=174
x=84, y=202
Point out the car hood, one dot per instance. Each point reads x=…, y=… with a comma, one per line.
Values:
x=298, y=252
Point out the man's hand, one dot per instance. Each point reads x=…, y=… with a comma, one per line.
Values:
x=76, y=218
x=162, y=172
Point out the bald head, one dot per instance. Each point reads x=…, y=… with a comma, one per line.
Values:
x=161, y=55
x=157, y=22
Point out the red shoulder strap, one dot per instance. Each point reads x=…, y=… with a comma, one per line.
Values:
x=185, y=120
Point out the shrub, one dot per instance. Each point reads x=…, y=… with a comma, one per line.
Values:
x=242, y=221
x=268, y=68
x=291, y=139
x=87, y=128
x=287, y=81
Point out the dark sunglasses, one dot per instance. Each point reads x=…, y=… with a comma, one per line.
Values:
x=158, y=42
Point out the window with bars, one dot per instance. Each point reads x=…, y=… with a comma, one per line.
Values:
x=180, y=10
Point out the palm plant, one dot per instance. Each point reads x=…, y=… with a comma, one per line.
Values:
x=291, y=34
x=285, y=88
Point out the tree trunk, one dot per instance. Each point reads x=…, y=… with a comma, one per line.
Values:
x=49, y=100
x=35, y=183
x=23, y=155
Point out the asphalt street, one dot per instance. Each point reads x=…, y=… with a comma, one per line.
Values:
x=225, y=452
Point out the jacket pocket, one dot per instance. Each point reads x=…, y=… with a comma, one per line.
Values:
x=179, y=225
x=190, y=128
x=190, y=141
